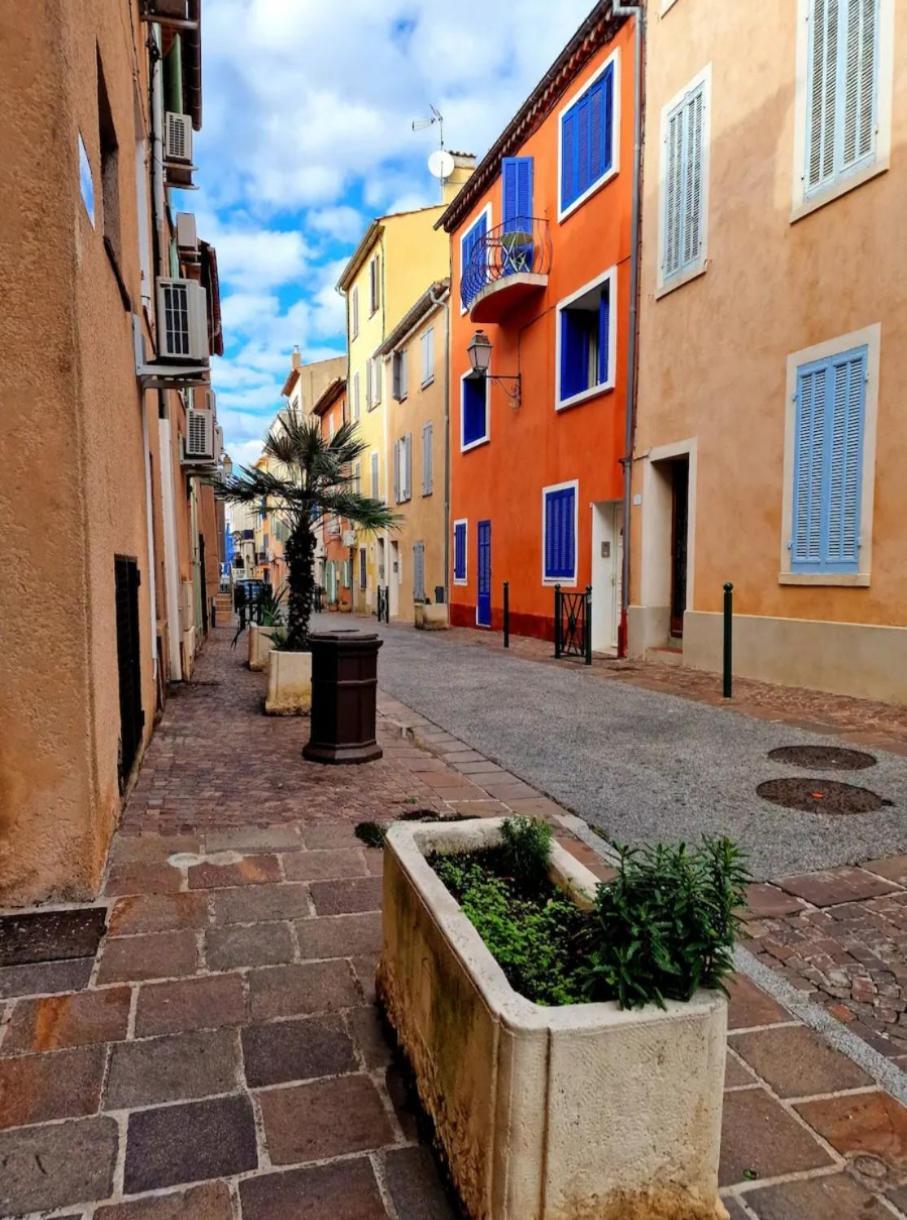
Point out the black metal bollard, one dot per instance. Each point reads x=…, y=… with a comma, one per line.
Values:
x=506, y=613
x=557, y=620
x=587, y=623
x=728, y=640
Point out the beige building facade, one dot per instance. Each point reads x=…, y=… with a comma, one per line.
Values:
x=770, y=433
x=108, y=423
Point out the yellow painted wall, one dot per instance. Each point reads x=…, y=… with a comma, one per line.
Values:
x=713, y=352
x=413, y=254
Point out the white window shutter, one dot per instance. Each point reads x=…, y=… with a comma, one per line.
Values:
x=408, y=466
x=809, y=467
x=375, y=495
x=693, y=186
x=673, y=189
x=427, y=473
x=822, y=100
x=397, y=492
x=860, y=63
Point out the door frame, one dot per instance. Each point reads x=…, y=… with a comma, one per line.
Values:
x=479, y=525
x=655, y=565
x=607, y=526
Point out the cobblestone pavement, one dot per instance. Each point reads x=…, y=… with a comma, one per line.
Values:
x=221, y=1057
x=641, y=765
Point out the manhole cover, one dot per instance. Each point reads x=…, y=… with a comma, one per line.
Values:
x=821, y=796
x=823, y=758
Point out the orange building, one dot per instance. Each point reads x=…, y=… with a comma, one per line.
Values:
x=333, y=563
x=541, y=239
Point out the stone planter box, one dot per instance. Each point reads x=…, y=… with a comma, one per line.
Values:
x=582, y=1112
x=434, y=617
x=259, y=646
x=289, y=683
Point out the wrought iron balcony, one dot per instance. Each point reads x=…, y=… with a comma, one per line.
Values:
x=510, y=263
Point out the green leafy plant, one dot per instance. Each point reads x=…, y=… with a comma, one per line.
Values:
x=306, y=479
x=662, y=928
x=666, y=924
x=270, y=606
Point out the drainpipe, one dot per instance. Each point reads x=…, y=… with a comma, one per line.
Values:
x=637, y=11
x=444, y=299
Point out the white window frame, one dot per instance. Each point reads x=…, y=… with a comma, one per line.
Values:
x=464, y=579
x=869, y=337
x=564, y=404
x=803, y=204
x=563, y=213
x=663, y=286
x=484, y=440
x=488, y=213
x=551, y=581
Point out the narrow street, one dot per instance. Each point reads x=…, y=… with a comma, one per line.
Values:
x=641, y=765
x=220, y=1056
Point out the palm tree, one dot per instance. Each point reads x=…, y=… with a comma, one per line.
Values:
x=316, y=483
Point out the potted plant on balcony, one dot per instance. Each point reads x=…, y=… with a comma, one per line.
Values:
x=567, y=1037
x=314, y=482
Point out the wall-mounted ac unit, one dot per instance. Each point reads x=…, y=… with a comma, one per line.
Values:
x=186, y=232
x=177, y=137
x=182, y=319
x=199, y=442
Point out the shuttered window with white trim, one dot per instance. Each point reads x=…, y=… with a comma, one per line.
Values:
x=427, y=459
x=376, y=492
x=828, y=464
x=428, y=355
x=684, y=183
x=356, y=395
x=842, y=88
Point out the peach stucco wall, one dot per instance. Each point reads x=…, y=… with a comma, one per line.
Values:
x=713, y=352
x=532, y=445
x=72, y=496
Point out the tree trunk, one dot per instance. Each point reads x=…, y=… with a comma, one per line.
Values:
x=300, y=552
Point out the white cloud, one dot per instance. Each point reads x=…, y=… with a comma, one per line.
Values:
x=308, y=131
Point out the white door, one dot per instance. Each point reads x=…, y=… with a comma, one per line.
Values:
x=394, y=580
x=607, y=566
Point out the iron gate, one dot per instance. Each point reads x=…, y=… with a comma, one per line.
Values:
x=573, y=624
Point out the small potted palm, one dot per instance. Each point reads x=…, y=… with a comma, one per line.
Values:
x=269, y=617
x=314, y=483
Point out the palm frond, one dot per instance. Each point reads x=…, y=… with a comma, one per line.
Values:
x=362, y=511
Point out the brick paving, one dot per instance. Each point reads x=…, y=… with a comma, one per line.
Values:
x=222, y=1059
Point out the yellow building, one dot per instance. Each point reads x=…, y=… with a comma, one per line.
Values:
x=414, y=358
x=396, y=258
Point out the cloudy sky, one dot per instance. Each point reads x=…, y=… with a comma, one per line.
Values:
x=308, y=110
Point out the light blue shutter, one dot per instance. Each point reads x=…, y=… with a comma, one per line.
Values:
x=809, y=465
x=845, y=465
x=375, y=476
x=822, y=93
x=684, y=183
x=859, y=87
x=673, y=193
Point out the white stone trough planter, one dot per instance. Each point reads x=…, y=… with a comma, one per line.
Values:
x=434, y=617
x=289, y=683
x=260, y=646
x=580, y=1112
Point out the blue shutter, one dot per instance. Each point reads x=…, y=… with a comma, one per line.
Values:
x=460, y=550
x=809, y=464
x=473, y=405
x=604, y=329
x=472, y=275
x=596, y=132
x=574, y=356
x=583, y=143
x=517, y=192
x=560, y=540
x=569, y=158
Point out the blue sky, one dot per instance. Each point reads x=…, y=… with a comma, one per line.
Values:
x=308, y=106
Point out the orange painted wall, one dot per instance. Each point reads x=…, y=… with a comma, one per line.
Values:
x=533, y=446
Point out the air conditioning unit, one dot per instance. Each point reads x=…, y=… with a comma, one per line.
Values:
x=199, y=444
x=177, y=137
x=182, y=319
x=186, y=232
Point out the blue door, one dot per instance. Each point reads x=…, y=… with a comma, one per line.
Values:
x=483, y=604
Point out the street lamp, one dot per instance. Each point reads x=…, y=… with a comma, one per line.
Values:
x=479, y=352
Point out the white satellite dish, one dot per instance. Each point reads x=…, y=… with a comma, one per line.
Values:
x=441, y=164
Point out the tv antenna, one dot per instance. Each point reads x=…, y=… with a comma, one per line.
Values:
x=436, y=117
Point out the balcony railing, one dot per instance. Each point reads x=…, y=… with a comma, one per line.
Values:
x=519, y=246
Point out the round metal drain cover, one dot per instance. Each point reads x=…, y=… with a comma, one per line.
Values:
x=821, y=796
x=823, y=758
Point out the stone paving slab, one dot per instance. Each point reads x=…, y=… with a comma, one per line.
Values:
x=204, y=1080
